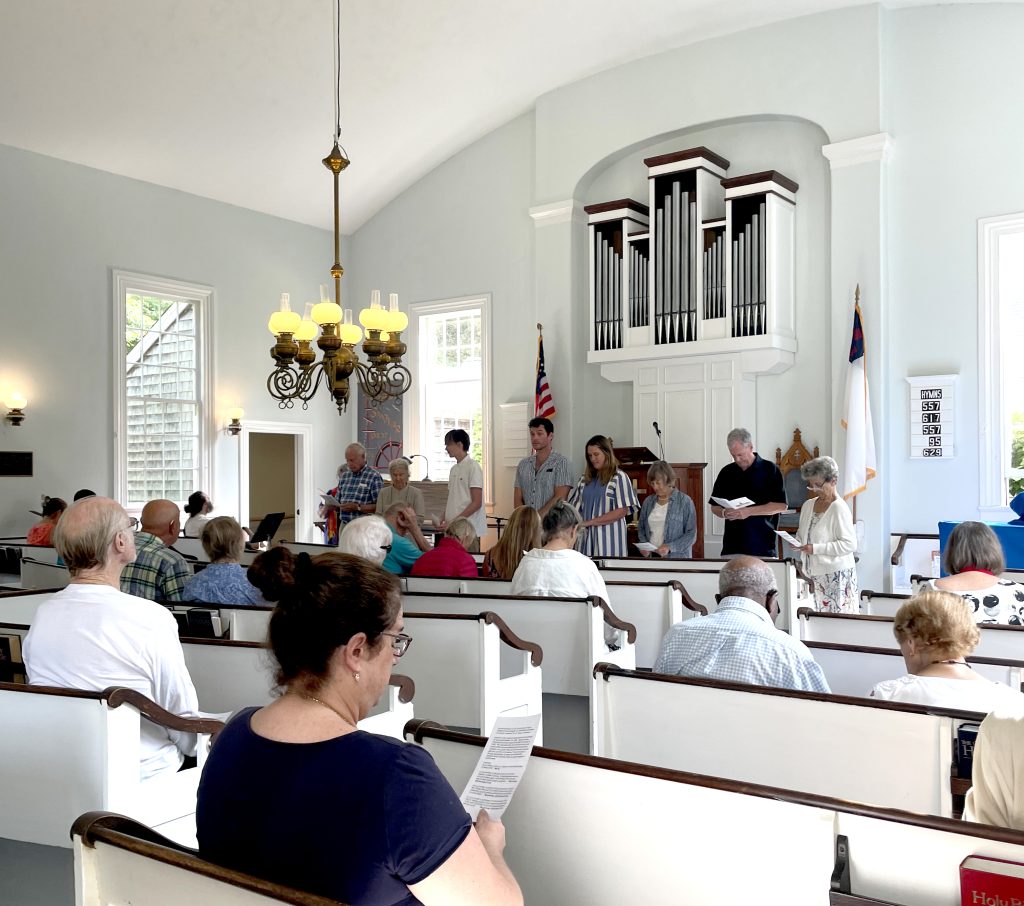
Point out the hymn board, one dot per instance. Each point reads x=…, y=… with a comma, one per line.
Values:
x=932, y=425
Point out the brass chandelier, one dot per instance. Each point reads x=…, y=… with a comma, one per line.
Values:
x=297, y=374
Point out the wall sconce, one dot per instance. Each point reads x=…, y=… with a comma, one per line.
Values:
x=16, y=403
x=235, y=423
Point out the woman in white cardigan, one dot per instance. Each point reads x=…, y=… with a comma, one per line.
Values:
x=828, y=539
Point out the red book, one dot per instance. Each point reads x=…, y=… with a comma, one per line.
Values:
x=985, y=881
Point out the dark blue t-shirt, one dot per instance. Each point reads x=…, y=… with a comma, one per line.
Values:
x=356, y=818
x=761, y=482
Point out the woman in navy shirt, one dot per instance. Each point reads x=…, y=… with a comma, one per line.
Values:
x=296, y=793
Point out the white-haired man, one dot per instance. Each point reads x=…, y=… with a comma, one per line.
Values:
x=355, y=494
x=739, y=643
x=91, y=635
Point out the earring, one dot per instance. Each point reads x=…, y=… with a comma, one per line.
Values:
x=356, y=676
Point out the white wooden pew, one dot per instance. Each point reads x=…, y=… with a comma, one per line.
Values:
x=21, y=606
x=700, y=579
x=230, y=675
x=192, y=549
x=1002, y=642
x=878, y=604
x=63, y=751
x=653, y=607
x=855, y=670
x=42, y=574
x=470, y=668
x=594, y=831
x=829, y=744
x=119, y=861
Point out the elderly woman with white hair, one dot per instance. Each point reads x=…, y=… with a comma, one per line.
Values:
x=368, y=537
x=828, y=539
x=400, y=491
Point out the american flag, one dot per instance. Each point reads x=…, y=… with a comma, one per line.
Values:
x=544, y=405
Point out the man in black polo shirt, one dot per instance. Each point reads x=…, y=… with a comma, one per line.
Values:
x=749, y=530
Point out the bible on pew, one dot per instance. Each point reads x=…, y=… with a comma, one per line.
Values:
x=985, y=881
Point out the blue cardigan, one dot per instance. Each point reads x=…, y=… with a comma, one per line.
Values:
x=680, y=523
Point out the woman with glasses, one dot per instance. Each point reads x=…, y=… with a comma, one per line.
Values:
x=667, y=519
x=828, y=539
x=294, y=792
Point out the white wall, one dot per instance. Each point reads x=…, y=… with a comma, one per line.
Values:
x=63, y=228
x=953, y=89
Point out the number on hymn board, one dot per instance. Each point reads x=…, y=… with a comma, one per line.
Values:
x=930, y=406
x=932, y=451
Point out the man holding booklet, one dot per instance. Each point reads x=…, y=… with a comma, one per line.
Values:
x=748, y=494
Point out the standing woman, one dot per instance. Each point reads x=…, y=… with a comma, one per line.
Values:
x=828, y=539
x=668, y=519
x=605, y=498
x=400, y=491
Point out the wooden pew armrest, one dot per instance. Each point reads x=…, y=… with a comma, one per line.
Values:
x=688, y=602
x=116, y=696
x=614, y=621
x=511, y=639
x=406, y=687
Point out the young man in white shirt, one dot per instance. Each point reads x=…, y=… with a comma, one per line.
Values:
x=91, y=635
x=465, y=484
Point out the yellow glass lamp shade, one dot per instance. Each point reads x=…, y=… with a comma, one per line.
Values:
x=327, y=313
x=15, y=400
x=307, y=330
x=284, y=320
x=350, y=333
x=397, y=320
x=235, y=414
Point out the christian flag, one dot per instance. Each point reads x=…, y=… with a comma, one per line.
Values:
x=859, y=462
x=544, y=405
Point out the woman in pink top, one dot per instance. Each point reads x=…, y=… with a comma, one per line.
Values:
x=450, y=556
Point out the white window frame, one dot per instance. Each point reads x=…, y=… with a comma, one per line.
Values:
x=414, y=401
x=125, y=282
x=993, y=427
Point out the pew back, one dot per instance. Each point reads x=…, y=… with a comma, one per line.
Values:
x=828, y=744
x=42, y=574
x=577, y=822
x=21, y=607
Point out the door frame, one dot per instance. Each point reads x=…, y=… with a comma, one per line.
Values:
x=303, y=435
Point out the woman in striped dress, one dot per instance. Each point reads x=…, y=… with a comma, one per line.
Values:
x=606, y=499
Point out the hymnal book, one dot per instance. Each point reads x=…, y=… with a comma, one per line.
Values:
x=985, y=881
x=966, y=735
x=736, y=504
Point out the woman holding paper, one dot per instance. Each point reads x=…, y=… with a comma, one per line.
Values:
x=667, y=520
x=828, y=539
x=296, y=793
x=605, y=498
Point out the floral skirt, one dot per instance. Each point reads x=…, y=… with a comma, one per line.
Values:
x=837, y=592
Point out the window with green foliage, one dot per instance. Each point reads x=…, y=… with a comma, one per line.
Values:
x=161, y=374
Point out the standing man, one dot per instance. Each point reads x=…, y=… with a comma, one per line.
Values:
x=545, y=477
x=749, y=530
x=157, y=573
x=356, y=492
x=92, y=636
x=465, y=486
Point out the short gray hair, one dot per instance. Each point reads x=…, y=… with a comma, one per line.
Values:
x=462, y=530
x=368, y=537
x=969, y=544
x=663, y=471
x=747, y=577
x=739, y=436
x=400, y=464
x=824, y=468
x=86, y=531
x=559, y=520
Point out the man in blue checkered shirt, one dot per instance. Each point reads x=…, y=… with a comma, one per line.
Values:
x=739, y=642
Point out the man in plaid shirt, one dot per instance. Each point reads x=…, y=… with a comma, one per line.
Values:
x=158, y=572
x=355, y=495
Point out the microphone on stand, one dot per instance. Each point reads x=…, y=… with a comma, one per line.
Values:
x=661, y=441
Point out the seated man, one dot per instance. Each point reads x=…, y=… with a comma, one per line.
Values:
x=158, y=572
x=739, y=642
x=401, y=519
x=91, y=636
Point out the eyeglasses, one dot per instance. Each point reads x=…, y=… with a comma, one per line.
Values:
x=401, y=642
x=815, y=487
x=386, y=547
x=132, y=526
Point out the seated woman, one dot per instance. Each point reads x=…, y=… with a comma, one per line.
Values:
x=828, y=539
x=522, y=534
x=41, y=534
x=450, y=556
x=400, y=491
x=199, y=507
x=224, y=580
x=668, y=519
x=974, y=560
x=558, y=570
x=935, y=634
x=368, y=537
x=294, y=792
x=996, y=795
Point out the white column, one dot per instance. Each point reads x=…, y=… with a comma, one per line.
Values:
x=858, y=236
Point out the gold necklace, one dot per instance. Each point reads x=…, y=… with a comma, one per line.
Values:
x=329, y=707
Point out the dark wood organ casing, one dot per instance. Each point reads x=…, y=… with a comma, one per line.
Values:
x=709, y=258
